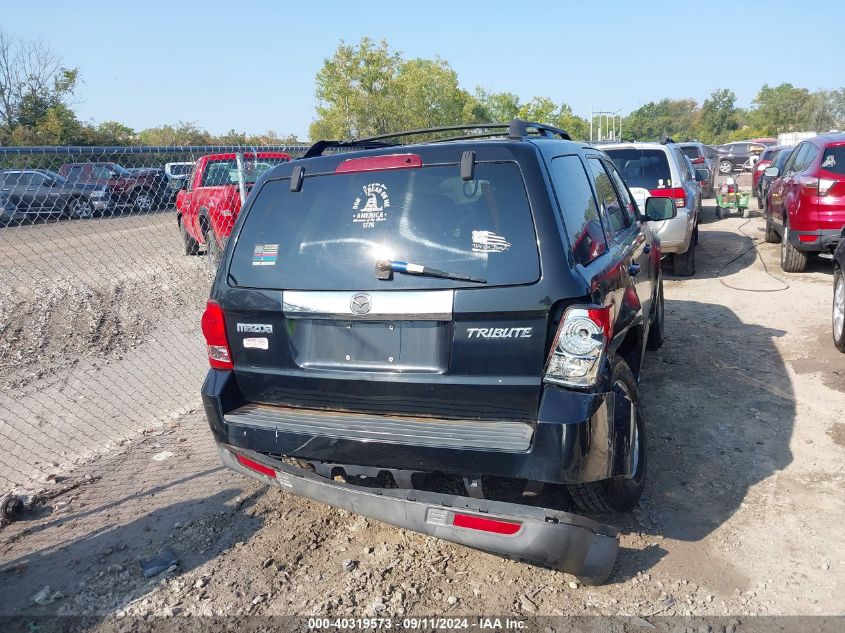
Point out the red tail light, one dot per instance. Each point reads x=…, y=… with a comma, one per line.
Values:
x=677, y=193
x=214, y=330
x=378, y=163
x=698, y=161
x=246, y=462
x=825, y=185
x=483, y=524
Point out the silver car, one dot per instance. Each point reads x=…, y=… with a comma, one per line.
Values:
x=660, y=169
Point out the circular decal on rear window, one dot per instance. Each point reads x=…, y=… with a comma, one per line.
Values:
x=371, y=206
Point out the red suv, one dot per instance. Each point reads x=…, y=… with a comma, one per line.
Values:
x=805, y=205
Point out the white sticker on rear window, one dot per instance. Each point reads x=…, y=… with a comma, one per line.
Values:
x=265, y=254
x=489, y=242
x=256, y=343
x=371, y=206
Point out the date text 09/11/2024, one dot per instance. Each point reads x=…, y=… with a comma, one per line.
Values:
x=412, y=623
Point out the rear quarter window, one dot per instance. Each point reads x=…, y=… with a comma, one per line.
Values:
x=330, y=234
x=833, y=159
x=580, y=213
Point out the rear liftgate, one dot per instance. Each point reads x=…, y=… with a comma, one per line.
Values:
x=561, y=540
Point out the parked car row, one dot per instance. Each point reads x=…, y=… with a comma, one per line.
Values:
x=87, y=189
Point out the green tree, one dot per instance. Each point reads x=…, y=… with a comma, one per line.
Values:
x=181, y=134
x=496, y=107
x=678, y=118
x=113, y=133
x=355, y=91
x=369, y=89
x=35, y=89
x=718, y=116
x=544, y=110
x=426, y=94
x=782, y=108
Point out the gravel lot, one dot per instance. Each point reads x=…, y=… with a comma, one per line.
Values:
x=98, y=337
x=742, y=514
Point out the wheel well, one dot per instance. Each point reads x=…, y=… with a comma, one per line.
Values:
x=631, y=349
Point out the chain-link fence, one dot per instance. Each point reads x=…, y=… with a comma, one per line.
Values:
x=104, y=273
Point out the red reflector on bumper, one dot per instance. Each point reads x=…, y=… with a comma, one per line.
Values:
x=808, y=238
x=472, y=522
x=246, y=462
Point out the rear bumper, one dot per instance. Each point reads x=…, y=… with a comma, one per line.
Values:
x=675, y=234
x=577, y=438
x=818, y=241
x=561, y=540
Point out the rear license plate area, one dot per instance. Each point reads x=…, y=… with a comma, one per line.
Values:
x=356, y=343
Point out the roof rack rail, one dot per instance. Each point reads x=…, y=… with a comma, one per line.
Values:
x=317, y=148
x=517, y=129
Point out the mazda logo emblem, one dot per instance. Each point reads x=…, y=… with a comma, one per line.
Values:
x=361, y=303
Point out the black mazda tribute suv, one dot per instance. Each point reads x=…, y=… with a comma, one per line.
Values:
x=434, y=334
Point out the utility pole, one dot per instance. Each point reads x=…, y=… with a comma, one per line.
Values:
x=609, y=125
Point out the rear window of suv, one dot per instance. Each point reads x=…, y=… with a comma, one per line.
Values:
x=329, y=235
x=834, y=159
x=642, y=168
x=692, y=151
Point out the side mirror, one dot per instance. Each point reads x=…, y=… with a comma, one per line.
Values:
x=702, y=174
x=772, y=172
x=658, y=209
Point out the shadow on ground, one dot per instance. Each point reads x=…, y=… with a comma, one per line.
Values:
x=720, y=411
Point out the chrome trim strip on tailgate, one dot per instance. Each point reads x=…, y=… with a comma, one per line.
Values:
x=384, y=305
x=504, y=436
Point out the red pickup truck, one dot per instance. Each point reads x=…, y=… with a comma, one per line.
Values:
x=207, y=209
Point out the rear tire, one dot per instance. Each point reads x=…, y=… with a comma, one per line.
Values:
x=212, y=247
x=655, y=328
x=839, y=310
x=192, y=247
x=683, y=264
x=618, y=494
x=791, y=259
x=770, y=235
x=719, y=213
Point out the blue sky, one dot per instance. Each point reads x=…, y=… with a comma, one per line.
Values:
x=251, y=65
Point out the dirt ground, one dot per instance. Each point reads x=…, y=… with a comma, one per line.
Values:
x=742, y=515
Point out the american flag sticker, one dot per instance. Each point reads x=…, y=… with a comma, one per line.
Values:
x=488, y=242
x=265, y=254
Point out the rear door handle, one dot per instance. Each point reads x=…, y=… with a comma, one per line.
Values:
x=634, y=270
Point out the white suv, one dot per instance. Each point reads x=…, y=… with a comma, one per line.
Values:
x=659, y=169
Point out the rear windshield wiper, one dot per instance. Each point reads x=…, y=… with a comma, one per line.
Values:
x=386, y=267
